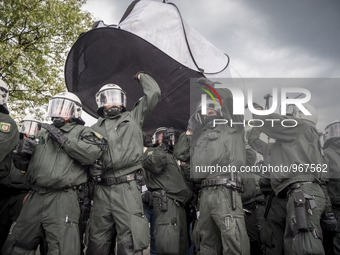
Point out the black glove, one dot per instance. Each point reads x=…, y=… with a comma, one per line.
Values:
x=147, y=197
x=26, y=147
x=329, y=222
x=55, y=133
x=194, y=122
x=96, y=170
x=206, y=81
x=135, y=77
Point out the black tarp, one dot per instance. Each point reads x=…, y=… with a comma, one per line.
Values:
x=111, y=55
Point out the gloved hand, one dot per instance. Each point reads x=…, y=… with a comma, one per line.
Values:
x=328, y=221
x=135, y=77
x=96, y=170
x=206, y=81
x=55, y=133
x=147, y=197
x=26, y=147
x=194, y=122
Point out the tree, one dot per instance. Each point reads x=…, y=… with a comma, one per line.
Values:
x=35, y=37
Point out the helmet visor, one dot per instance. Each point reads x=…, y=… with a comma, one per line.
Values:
x=60, y=107
x=332, y=131
x=168, y=134
x=29, y=127
x=111, y=97
x=3, y=96
x=210, y=104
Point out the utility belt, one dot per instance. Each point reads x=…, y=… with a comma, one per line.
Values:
x=233, y=185
x=294, y=186
x=118, y=180
x=42, y=190
x=303, y=205
x=163, y=200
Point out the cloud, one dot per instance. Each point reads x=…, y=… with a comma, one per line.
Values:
x=284, y=39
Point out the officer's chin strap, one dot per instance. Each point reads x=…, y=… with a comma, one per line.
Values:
x=112, y=111
x=58, y=122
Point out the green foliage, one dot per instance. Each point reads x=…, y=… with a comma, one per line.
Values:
x=35, y=37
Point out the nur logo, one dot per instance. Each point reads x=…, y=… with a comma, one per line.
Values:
x=204, y=97
x=239, y=101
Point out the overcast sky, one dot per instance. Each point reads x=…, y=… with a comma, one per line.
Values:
x=280, y=39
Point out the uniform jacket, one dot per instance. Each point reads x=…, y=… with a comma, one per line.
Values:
x=163, y=172
x=9, y=138
x=297, y=145
x=124, y=133
x=222, y=145
x=55, y=167
x=332, y=153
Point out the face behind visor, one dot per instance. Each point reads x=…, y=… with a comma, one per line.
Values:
x=111, y=100
x=29, y=126
x=3, y=97
x=163, y=132
x=332, y=131
x=64, y=105
x=213, y=110
x=297, y=113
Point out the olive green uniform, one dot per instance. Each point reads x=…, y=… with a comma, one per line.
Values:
x=221, y=228
x=117, y=202
x=9, y=137
x=332, y=153
x=297, y=145
x=52, y=208
x=250, y=201
x=182, y=153
x=13, y=189
x=164, y=173
x=273, y=227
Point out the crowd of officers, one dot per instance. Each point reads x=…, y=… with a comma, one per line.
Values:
x=71, y=189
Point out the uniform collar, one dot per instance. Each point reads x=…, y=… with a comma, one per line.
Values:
x=69, y=127
x=101, y=119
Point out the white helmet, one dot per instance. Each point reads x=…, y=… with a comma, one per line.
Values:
x=111, y=94
x=296, y=112
x=29, y=125
x=64, y=104
x=332, y=130
x=215, y=105
x=3, y=92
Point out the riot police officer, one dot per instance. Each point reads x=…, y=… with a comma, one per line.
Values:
x=56, y=163
x=170, y=193
x=298, y=146
x=332, y=153
x=8, y=131
x=221, y=223
x=117, y=203
x=9, y=138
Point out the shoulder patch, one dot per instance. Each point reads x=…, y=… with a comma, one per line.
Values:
x=5, y=127
x=150, y=153
x=98, y=135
